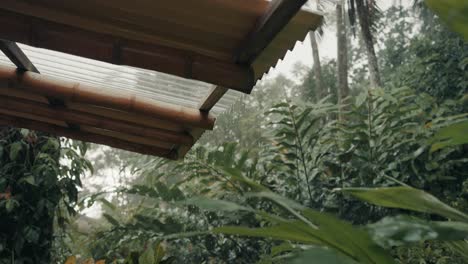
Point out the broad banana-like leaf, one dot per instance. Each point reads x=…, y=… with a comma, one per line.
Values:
x=407, y=198
x=452, y=135
x=452, y=12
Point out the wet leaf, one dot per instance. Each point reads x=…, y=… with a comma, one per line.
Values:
x=406, y=198
x=452, y=12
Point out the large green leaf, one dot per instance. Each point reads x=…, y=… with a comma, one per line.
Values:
x=29, y=179
x=461, y=247
x=111, y=219
x=453, y=135
x=285, y=231
x=347, y=238
x=356, y=245
x=217, y=205
x=284, y=202
x=147, y=257
x=332, y=232
x=11, y=204
x=319, y=256
x=400, y=230
x=282, y=248
x=108, y=204
x=406, y=198
x=159, y=253
x=452, y=12
x=15, y=149
x=237, y=175
x=316, y=228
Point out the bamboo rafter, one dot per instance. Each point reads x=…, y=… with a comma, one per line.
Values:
x=24, y=100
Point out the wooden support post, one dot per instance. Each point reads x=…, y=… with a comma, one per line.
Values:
x=17, y=56
x=214, y=95
x=277, y=16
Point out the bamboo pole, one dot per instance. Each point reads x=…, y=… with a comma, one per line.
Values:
x=132, y=118
x=108, y=133
x=66, y=115
x=19, y=93
x=101, y=112
x=76, y=92
x=84, y=136
x=32, y=117
x=127, y=137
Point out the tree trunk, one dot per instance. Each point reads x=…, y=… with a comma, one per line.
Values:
x=342, y=55
x=317, y=68
x=364, y=23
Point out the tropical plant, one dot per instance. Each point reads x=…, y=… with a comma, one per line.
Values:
x=286, y=181
x=367, y=13
x=39, y=181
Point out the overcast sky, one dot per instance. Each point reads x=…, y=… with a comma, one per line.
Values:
x=302, y=52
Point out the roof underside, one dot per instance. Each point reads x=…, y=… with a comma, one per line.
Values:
x=154, y=85
x=182, y=59
x=192, y=39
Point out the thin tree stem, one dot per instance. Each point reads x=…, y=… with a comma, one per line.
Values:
x=369, y=119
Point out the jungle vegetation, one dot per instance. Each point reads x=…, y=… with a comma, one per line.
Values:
x=361, y=159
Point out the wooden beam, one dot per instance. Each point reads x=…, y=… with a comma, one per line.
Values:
x=91, y=120
x=85, y=136
x=134, y=119
x=180, y=152
x=117, y=50
x=214, y=95
x=277, y=16
x=17, y=56
x=22, y=62
x=117, y=135
x=100, y=96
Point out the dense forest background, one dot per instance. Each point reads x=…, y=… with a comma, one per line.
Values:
x=360, y=159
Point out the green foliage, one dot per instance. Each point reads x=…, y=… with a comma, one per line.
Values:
x=403, y=230
x=309, y=92
x=153, y=255
x=305, y=156
x=433, y=63
x=311, y=227
x=452, y=135
x=40, y=190
x=265, y=187
x=453, y=12
x=296, y=136
x=407, y=198
x=410, y=230
x=320, y=255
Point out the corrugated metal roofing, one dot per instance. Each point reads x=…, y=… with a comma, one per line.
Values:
x=146, y=83
x=181, y=56
x=192, y=39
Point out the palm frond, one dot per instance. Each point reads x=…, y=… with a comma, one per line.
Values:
x=370, y=8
